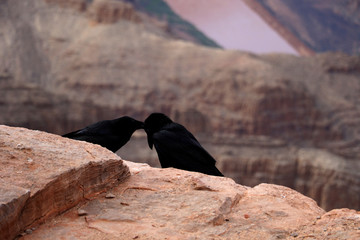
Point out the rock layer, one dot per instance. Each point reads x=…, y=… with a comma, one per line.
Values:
x=43, y=175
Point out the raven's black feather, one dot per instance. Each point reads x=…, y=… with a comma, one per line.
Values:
x=177, y=147
x=111, y=134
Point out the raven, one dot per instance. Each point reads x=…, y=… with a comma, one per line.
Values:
x=111, y=134
x=177, y=147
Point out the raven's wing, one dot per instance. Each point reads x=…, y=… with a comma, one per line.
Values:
x=177, y=147
x=97, y=129
x=99, y=133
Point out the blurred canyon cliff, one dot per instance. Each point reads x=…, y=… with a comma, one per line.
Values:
x=272, y=118
x=314, y=26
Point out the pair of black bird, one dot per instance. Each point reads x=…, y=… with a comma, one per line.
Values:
x=175, y=145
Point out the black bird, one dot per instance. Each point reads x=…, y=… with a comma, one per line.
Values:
x=177, y=147
x=111, y=134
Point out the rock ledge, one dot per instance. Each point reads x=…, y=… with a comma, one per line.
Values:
x=43, y=175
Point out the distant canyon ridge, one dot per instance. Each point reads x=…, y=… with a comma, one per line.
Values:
x=272, y=118
x=314, y=26
x=264, y=26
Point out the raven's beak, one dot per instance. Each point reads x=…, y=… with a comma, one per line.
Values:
x=149, y=138
x=140, y=125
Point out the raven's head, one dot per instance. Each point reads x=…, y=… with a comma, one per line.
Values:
x=154, y=123
x=129, y=124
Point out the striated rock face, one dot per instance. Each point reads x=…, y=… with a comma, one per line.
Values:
x=79, y=5
x=101, y=11
x=43, y=175
x=329, y=179
x=254, y=113
x=112, y=11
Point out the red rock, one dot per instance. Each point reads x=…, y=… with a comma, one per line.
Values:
x=165, y=203
x=61, y=174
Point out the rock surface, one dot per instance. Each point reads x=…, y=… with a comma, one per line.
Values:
x=170, y=203
x=85, y=70
x=42, y=175
x=174, y=204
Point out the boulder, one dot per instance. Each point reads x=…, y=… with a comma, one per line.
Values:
x=43, y=175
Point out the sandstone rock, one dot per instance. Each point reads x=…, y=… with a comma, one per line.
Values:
x=336, y=224
x=42, y=175
x=174, y=204
x=101, y=11
x=12, y=201
x=112, y=11
x=79, y=5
